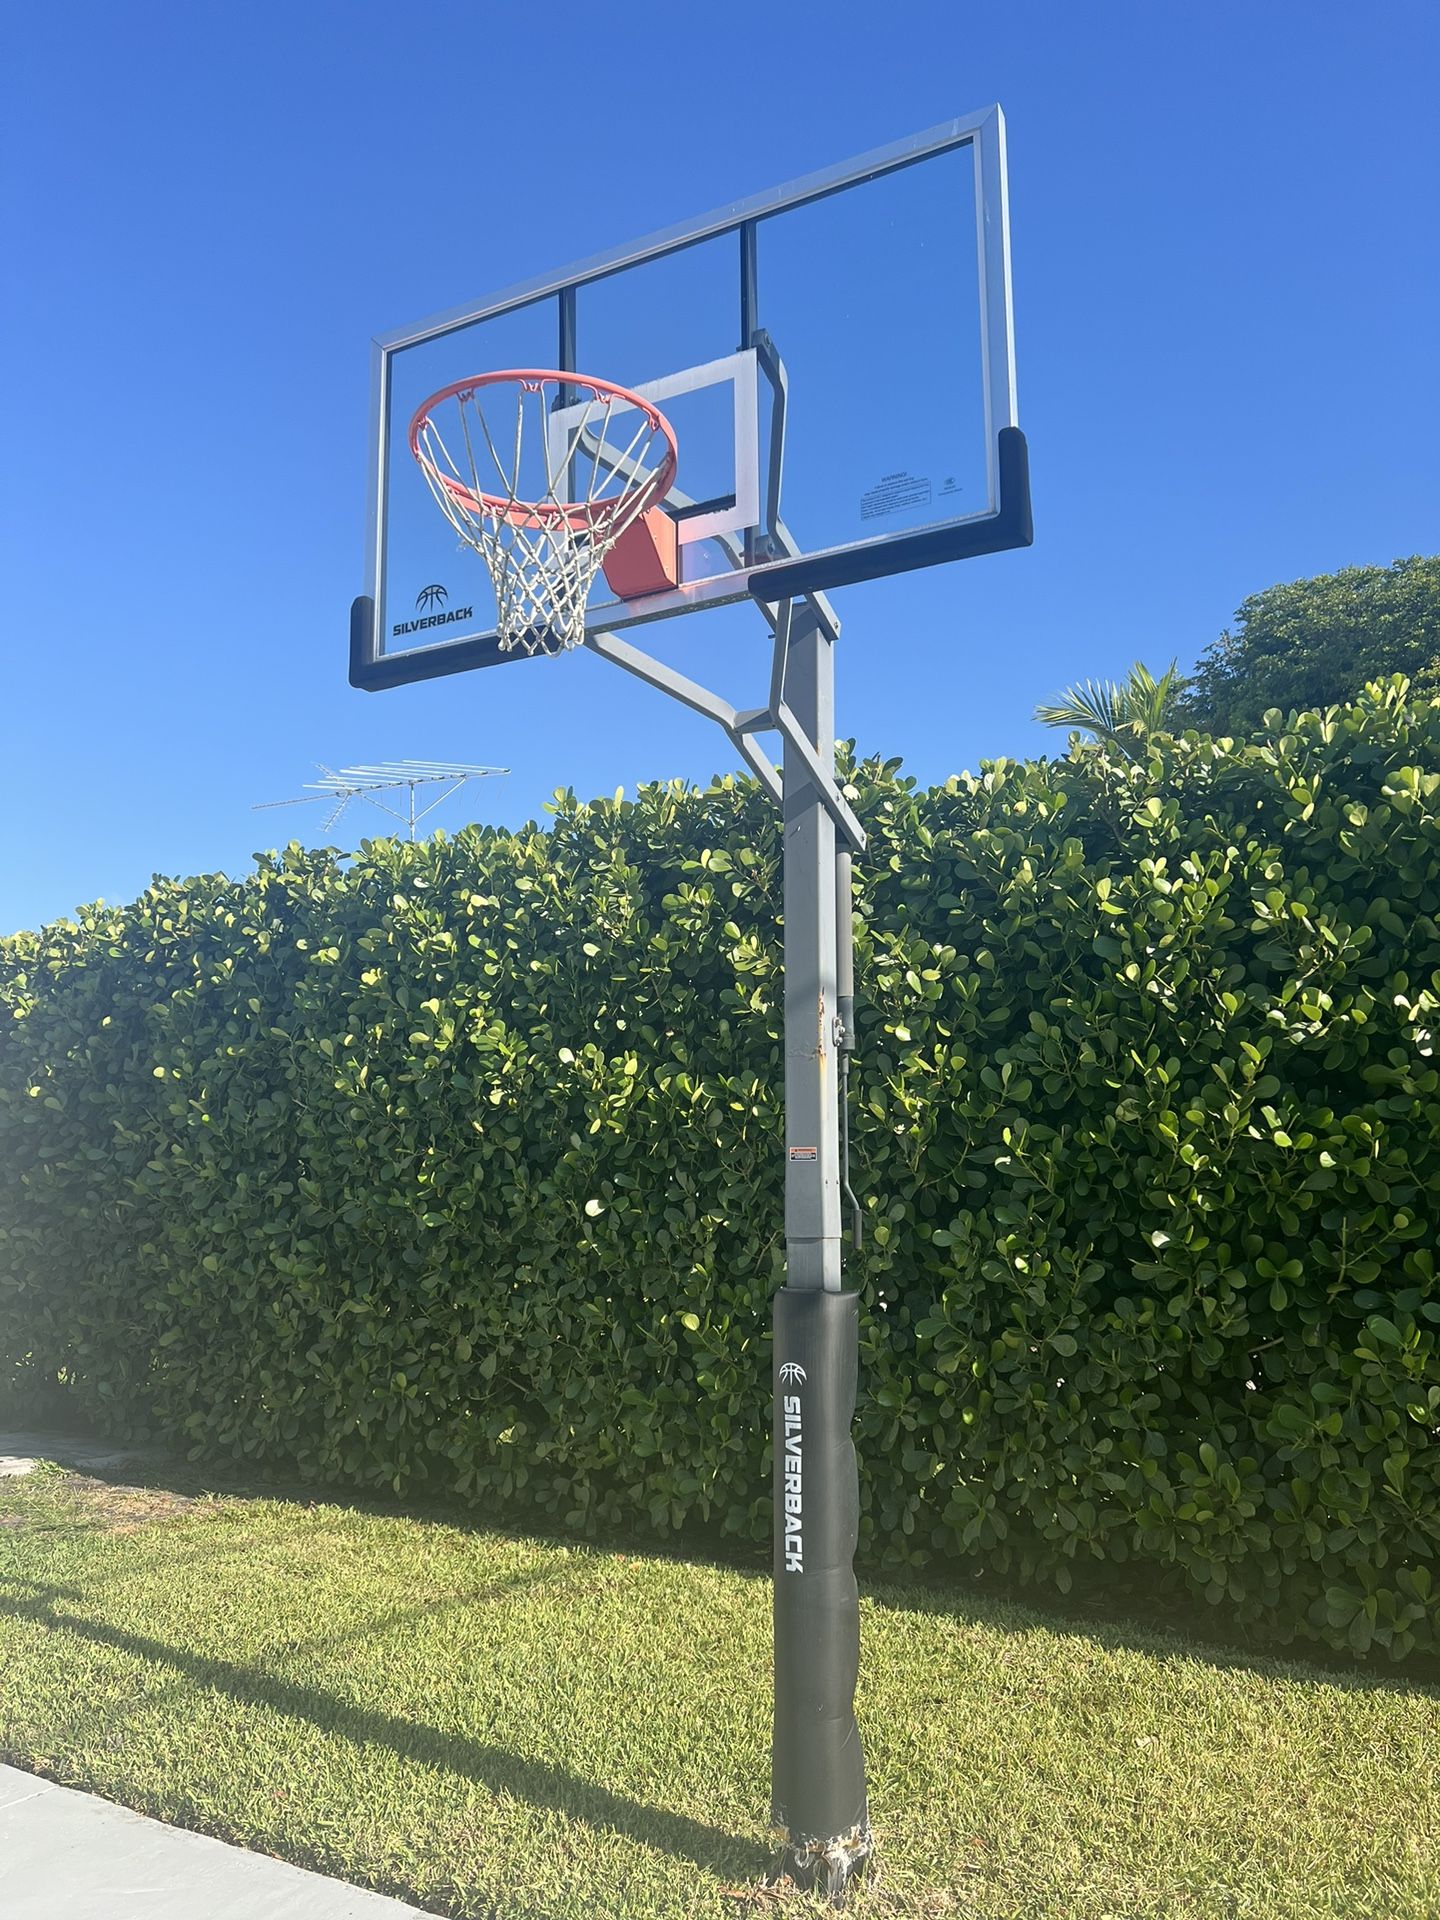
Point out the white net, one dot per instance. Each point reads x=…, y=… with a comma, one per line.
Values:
x=542, y=507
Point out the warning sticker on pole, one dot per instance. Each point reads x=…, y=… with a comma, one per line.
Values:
x=804, y=1153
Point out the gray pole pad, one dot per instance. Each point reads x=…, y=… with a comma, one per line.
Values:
x=818, y=1772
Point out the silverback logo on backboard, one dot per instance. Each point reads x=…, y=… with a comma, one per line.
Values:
x=432, y=596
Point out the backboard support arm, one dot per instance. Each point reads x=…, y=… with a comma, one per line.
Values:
x=743, y=724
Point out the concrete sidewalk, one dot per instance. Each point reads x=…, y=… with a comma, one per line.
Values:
x=73, y=1856
x=21, y=1452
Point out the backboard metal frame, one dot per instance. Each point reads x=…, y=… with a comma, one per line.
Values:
x=772, y=575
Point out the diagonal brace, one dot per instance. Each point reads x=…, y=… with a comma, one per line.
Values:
x=740, y=726
x=690, y=694
x=831, y=798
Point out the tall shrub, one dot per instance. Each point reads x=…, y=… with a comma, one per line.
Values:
x=459, y=1165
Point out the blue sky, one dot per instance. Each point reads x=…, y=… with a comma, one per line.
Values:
x=1226, y=315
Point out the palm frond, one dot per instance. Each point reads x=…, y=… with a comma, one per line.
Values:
x=1119, y=714
x=1095, y=705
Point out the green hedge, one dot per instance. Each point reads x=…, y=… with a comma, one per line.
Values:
x=457, y=1166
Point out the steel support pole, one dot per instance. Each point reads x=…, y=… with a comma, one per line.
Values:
x=818, y=1773
x=812, y=1112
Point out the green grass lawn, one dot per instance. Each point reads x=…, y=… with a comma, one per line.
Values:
x=493, y=1725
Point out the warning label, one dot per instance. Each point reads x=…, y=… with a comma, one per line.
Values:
x=893, y=492
x=804, y=1153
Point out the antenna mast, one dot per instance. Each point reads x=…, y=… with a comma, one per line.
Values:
x=389, y=776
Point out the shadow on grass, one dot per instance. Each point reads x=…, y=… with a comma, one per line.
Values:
x=493, y=1767
x=1159, y=1625
x=1145, y=1609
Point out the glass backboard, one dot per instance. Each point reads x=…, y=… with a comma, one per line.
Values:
x=835, y=358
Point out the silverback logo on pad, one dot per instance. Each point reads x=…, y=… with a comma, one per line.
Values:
x=794, y=1491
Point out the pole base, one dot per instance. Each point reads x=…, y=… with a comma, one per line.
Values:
x=828, y=1867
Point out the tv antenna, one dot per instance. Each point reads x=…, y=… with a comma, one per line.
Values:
x=389, y=776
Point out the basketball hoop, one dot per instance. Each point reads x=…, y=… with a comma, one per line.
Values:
x=543, y=552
